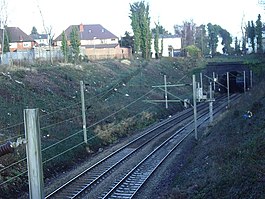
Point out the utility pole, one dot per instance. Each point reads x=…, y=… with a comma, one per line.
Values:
x=201, y=81
x=33, y=149
x=228, y=88
x=214, y=80
x=165, y=82
x=251, y=78
x=194, y=106
x=211, y=103
x=244, y=74
x=83, y=110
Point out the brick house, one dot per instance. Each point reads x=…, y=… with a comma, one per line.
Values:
x=18, y=40
x=96, y=42
x=40, y=39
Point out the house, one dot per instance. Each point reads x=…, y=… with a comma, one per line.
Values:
x=40, y=39
x=96, y=42
x=171, y=46
x=18, y=40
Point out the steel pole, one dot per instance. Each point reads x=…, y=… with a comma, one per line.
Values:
x=228, y=92
x=201, y=81
x=244, y=73
x=214, y=81
x=165, y=82
x=211, y=103
x=251, y=78
x=194, y=106
x=83, y=110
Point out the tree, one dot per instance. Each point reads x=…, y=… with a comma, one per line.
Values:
x=193, y=51
x=64, y=47
x=213, y=31
x=6, y=40
x=3, y=13
x=178, y=30
x=188, y=33
x=156, y=41
x=251, y=34
x=161, y=30
x=135, y=26
x=75, y=44
x=258, y=31
x=201, y=40
x=226, y=41
x=127, y=41
x=244, y=45
x=162, y=46
x=34, y=31
x=237, y=47
x=140, y=22
x=3, y=25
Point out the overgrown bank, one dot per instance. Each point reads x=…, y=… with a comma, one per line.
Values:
x=117, y=98
x=228, y=161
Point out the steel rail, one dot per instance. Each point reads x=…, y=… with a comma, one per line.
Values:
x=134, y=180
x=94, y=174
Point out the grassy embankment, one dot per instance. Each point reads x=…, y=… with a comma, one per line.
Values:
x=229, y=160
x=116, y=107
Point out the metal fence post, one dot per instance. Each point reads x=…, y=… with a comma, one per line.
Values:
x=33, y=149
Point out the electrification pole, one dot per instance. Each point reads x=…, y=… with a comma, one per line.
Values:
x=83, y=110
x=228, y=92
x=194, y=105
x=251, y=78
x=165, y=82
x=244, y=74
x=211, y=103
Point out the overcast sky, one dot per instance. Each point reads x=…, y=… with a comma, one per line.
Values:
x=114, y=15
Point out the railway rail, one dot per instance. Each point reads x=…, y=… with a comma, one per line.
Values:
x=128, y=185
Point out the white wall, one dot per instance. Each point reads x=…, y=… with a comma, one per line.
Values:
x=175, y=42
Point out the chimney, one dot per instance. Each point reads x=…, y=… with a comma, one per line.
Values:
x=81, y=27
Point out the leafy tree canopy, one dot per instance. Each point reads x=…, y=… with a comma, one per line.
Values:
x=34, y=31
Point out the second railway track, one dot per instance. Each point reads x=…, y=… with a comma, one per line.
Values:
x=161, y=133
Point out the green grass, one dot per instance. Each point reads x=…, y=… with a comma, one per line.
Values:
x=229, y=161
x=111, y=87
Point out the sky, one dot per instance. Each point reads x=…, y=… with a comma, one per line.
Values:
x=114, y=15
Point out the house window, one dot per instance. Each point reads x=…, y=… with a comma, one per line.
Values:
x=13, y=45
x=26, y=44
x=89, y=30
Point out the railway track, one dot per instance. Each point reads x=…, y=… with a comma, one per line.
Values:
x=85, y=181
